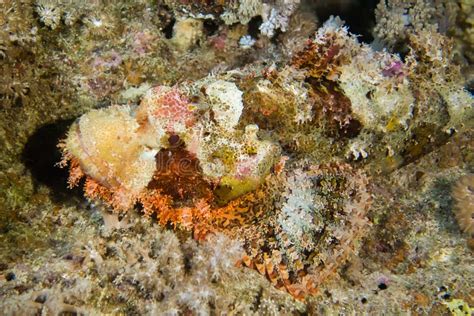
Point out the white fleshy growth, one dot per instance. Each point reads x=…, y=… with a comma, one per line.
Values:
x=93, y=141
x=226, y=100
x=357, y=150
x=277, y=17
x=49, y=14
x=246, y=41
x=300, y=211
x=380, y=99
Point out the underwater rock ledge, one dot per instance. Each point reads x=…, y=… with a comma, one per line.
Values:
x=236, y=157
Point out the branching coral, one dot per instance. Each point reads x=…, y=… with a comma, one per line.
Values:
x=277, y=17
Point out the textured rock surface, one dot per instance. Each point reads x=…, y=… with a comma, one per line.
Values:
x=325, y=173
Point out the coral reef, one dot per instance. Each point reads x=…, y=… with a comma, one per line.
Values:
x=236, y=157
x=154, y=273
x=398, y=19
x=211, y=149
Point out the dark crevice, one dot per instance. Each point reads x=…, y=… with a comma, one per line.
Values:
x=402, y=50
x=41, y=156
x=470, y=88
x=168, y=29
x=359, y=16
x=210, y=27
x=258, y=299
x=275, y=38
x=254, y=26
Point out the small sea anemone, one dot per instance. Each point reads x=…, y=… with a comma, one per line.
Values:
x=463, y=193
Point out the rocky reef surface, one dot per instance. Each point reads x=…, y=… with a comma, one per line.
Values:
x=284, y=157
